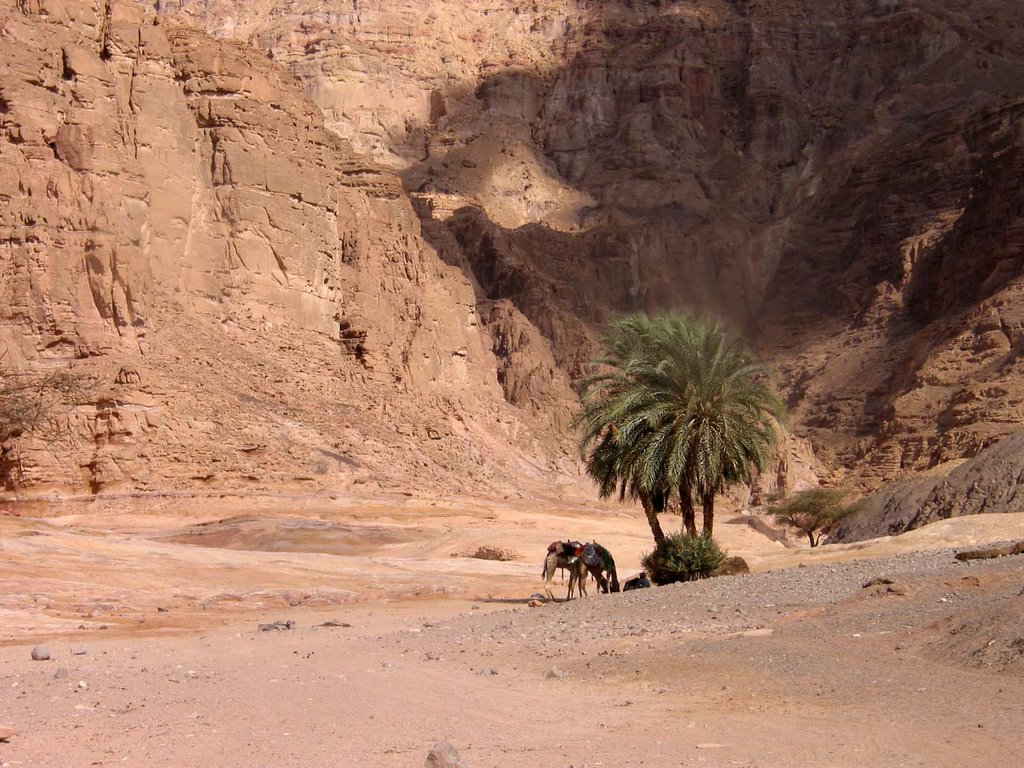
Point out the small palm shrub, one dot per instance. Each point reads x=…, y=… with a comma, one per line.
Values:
x=684, y=557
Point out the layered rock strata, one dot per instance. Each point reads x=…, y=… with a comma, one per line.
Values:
x=990, y=482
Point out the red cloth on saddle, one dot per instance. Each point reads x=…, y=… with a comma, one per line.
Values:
x=569, y=548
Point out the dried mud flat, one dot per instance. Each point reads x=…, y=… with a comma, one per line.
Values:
x=400, y=641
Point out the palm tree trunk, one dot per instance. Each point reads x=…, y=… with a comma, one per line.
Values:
x=709, y=514
x=650, y=509
x=686, y=508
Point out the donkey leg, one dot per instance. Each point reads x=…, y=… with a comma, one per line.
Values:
x=549, y=576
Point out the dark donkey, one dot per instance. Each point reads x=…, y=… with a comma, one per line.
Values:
x=597, y=561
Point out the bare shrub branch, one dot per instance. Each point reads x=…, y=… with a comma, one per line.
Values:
x=28, y=401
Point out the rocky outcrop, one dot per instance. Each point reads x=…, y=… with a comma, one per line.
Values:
x=252, y=295
x=990, y=482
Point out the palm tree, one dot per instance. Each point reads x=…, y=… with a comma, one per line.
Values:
x=606, y=396
x=678, y=407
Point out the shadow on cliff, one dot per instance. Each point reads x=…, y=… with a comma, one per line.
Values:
x=579, y=194
x=934, y=234
x=837, y=201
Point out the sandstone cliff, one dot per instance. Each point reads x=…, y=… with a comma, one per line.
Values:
x=836, y=178
x=432, y=206
x=253, y=296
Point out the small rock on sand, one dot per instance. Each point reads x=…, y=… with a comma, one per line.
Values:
x=277, y=625
x=443, y=755
x=40, y=653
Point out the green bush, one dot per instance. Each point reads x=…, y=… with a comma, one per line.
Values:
x=684, y=558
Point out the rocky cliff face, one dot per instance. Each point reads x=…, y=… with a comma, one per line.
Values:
x=438, y=203
x=253, y=297
x=990, y=482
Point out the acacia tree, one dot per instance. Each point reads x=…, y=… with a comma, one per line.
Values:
x=678, y=408
x=813, y=512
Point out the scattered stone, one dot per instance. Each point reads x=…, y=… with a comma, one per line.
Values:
x=877, y=581
x=61, y=673
x=6, y=732
x=443, y=755
x=491, y=552
x=556, y=674
x=82, y=685
x=488, y=671
x=277, y=625
x=733, y=566
x=40, y=653
x=535, y=604
x=161, y=609
x=79, y=650
x=334, y=623
x=988, y=553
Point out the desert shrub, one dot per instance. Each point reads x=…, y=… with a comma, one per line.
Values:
x=683, y=557
x=29, y=401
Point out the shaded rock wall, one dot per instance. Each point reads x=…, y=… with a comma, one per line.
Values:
x=990, y=482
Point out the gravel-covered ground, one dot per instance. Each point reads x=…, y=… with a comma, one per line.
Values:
x=910, y=659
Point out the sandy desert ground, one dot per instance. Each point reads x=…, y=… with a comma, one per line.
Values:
x=150, y=611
